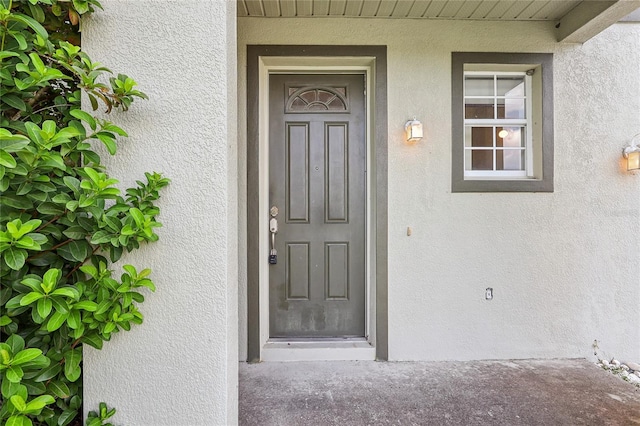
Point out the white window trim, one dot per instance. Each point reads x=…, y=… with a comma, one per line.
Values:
x=527, y=123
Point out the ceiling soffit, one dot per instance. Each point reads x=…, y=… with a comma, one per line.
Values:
x=576, y=21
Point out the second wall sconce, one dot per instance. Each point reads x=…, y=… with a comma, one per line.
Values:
x=632, y=154
x=413, y=130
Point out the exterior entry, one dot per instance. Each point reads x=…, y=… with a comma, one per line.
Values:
x=317, y=187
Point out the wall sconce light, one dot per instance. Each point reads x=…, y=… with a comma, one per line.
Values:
x=413, y=130
x=632, y=154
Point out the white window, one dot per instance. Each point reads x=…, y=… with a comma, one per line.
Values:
x=502, y=122
x=497, y=125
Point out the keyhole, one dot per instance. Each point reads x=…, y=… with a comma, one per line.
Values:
x=317, y=168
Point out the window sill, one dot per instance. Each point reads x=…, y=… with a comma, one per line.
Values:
x=501, y=185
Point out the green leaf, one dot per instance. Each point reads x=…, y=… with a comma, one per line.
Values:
x=18, y=402
x=101, y=237
x=93, y=340
x=27, y=20
x=37, y=363
x=49, y=126
x=44, y=307
x=20, y=420
x=34, y=388
x=75, y=251
x=33, y=282
x=26, y=355
x=50, y=372
x=65, y=291
x=60, y=305
x=50, y=279
x=72, y=205
x=138, y=217
x=45, y=259
x=84, y=116
x=72, y=183
x=14, y=374
x=14, y=258
x=37, y=62
x=67, y=417
x=115, y=129
x=39, y=403
x=31, y=297
x=34, y=132
x=5, y=355
x=54, y=160
x=146, y=283
x=56, y=321
x=36, y=11
x=75, y=403
x=9, y=388
x=81, y=6
x=13, y=143
x=73, y=320
x=90, y=270
x=72, y=360
x=93, y=100
x=27, y=242
x=7, y=160
x=15, y=102
x=109, y=142
x=86, y=305
x=50, y=209
x=113, y=222
x=16, y=343
x=92, y=174
x=103, y=307
x=59, y=389
x=17, y=202
x=7, y=54
x=61, y=198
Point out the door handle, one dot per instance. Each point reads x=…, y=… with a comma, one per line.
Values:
x=273, y=229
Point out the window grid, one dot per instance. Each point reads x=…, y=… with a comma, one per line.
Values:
x=524, y=124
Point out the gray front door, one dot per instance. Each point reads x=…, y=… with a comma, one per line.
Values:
x=317, y=178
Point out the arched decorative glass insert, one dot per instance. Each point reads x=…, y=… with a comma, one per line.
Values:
x=317, y=99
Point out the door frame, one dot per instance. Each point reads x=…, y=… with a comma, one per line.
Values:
x=261, y=62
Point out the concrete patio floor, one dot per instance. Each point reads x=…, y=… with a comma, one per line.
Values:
x=528, y=392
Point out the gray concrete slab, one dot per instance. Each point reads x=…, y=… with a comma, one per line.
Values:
x=529, y=392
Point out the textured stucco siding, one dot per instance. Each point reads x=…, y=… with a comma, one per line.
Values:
x=564, y=266
x=180, y=366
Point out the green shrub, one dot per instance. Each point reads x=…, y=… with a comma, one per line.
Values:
x=62, y=220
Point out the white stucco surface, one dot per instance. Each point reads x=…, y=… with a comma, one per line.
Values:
x=180, y=366
x=564, y=266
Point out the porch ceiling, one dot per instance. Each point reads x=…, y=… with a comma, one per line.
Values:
x=577, y=20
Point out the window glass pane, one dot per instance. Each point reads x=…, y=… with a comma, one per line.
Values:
x=479, y=108
x=510, y=159
x=511, y=108
x=480, y=160
x=512, y=137
x=511, y=86
x=478, y=86
x=481, y=137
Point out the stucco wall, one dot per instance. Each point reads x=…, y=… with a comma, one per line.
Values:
x=564, y=266
x=180, y=366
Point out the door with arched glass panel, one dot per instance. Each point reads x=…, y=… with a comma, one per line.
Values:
x=317, y=178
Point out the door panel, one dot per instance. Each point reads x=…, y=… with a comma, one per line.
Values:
x=317, y=157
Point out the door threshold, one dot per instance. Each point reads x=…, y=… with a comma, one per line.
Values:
x=283, y=350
